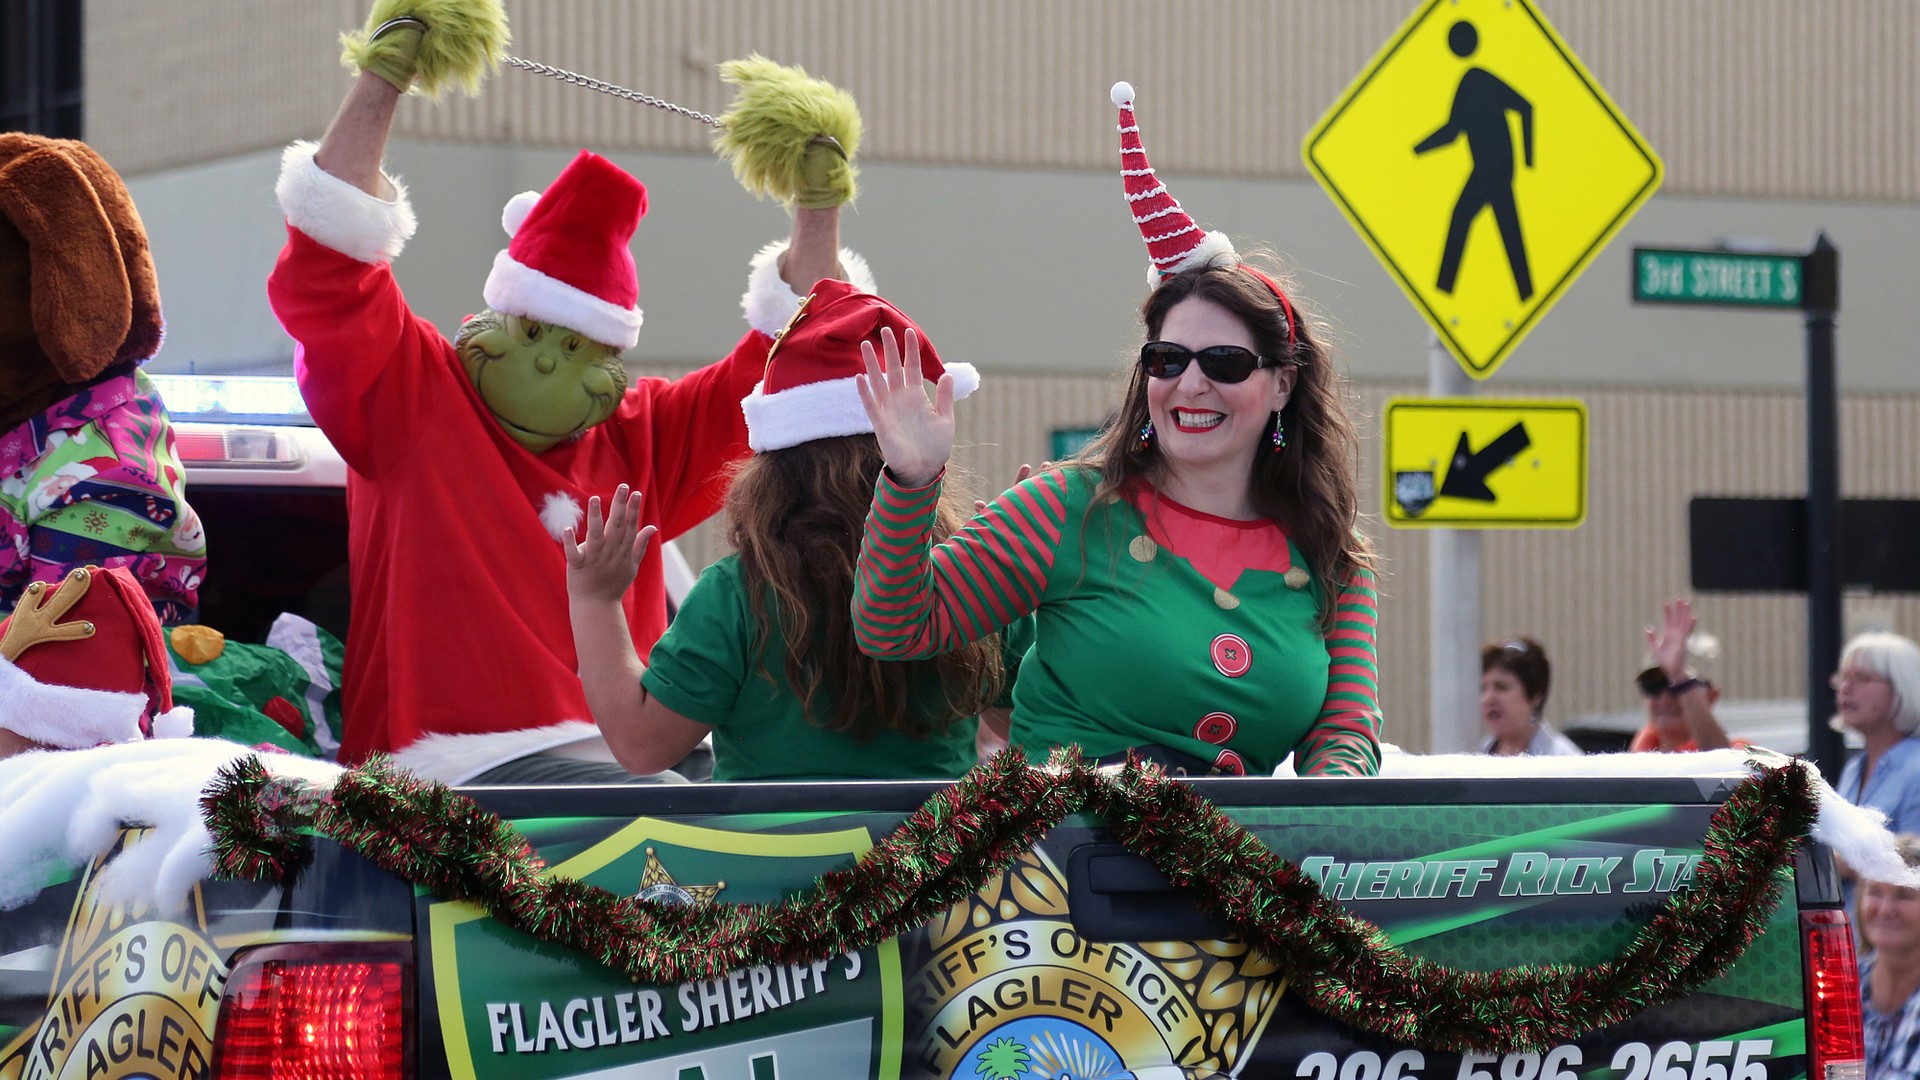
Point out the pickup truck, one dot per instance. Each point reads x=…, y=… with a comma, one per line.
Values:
x=1077, y=956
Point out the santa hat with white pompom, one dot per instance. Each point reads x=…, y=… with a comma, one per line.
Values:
x=569, y=262
x=82, y=664
x=1174, y=242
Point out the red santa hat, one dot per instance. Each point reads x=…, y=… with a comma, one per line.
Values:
x=569, y=262
x=808, y=391
x=82, y=664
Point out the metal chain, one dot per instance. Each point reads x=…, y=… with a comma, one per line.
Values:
x=578, y=79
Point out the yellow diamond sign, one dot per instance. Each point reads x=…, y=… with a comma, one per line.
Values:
x=1484, y=166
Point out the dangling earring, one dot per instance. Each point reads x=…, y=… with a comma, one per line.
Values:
x=1145, y=441
x=1279, y=432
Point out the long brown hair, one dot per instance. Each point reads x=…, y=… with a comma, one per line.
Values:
x=797, y=515
x=1310, y=489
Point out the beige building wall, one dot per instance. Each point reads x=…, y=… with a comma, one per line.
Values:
x=1774, y=117
x=1778, y=98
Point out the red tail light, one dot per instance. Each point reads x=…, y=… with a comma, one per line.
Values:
x=317, y=1012
x=1836, y=1049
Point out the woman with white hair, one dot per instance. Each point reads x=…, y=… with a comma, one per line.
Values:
x=1889, y=920
x=1878, y=695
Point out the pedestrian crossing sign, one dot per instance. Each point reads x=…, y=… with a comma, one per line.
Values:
x=1484, y=166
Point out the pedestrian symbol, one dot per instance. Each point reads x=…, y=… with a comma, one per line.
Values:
x=1484, y=166
x=1480, y=109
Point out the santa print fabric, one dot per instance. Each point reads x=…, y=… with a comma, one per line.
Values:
x=459, y=608
x=95, y=480
x=1135, y=644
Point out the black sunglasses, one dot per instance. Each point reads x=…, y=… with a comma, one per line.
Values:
x=1221, y=363
x=1653, y=682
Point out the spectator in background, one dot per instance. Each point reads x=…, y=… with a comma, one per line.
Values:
x=1679, y=686
x=1877, y=693
x=1514, y=680
x=1890, y=973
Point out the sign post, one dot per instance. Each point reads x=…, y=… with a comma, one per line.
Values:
x=1823, y=504
x=1810, y=283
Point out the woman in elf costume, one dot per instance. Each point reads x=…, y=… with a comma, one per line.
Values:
x=761, y=653
x=1201, y=593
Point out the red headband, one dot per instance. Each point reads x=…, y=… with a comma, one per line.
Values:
x=1286, y=306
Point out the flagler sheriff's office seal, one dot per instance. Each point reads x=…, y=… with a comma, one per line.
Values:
x=1005, y=987
x=133, y=996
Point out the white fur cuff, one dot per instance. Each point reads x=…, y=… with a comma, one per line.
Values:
x=1214, y=246
x=69, y=717
x=339, y=215
x=456, y=759
x=769, y=303
x=519, y=289
x=821, y=410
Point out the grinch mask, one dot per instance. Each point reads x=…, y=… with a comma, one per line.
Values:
x=543, y=383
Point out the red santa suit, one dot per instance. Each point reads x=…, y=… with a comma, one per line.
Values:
x=459, y=609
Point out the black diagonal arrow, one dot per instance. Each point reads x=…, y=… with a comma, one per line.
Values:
x=1467, y=475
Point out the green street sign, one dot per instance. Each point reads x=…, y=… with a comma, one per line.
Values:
x=1067, y=442
x=1719, y=278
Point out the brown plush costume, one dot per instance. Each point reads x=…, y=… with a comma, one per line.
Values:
x=88, y=472
x=77, y=289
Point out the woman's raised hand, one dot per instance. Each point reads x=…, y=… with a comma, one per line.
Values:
x=602, y=564
x=915, y=434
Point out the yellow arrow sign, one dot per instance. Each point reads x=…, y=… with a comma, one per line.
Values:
x=1484, y=166
x=1471, y=463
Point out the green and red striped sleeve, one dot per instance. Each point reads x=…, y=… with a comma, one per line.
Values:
x=910, y=602
x=1345, y=739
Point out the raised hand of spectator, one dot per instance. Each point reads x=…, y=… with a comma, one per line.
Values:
x=1669, y=642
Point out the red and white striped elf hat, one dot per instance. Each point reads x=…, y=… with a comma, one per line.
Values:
x=1174, y=242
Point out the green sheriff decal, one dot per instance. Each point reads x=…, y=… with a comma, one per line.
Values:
x=513, y=1009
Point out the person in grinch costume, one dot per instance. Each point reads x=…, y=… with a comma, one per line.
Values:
x=470, y=460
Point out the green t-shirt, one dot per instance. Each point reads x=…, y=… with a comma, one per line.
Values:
x=704, y=669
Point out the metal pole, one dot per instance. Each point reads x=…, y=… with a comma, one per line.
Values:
x=1823, y=504
x=1453, y=590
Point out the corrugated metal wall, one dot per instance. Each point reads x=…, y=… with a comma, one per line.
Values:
x=1742, y=97
x=1776, y=98
x=1585, y=594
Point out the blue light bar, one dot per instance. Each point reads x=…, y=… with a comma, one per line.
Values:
x=251, y=399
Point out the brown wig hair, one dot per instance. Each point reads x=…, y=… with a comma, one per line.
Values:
x=1526, y=660
x=797, y=515
x=1309, y=489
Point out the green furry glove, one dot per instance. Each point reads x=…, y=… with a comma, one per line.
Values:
x=788, y=135
x=463, y=41
x=395, y=54
x=826, y=175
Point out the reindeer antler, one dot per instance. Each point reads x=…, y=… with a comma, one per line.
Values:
x=37, y=619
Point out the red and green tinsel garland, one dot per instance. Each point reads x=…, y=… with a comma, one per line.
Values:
x=973, y=831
